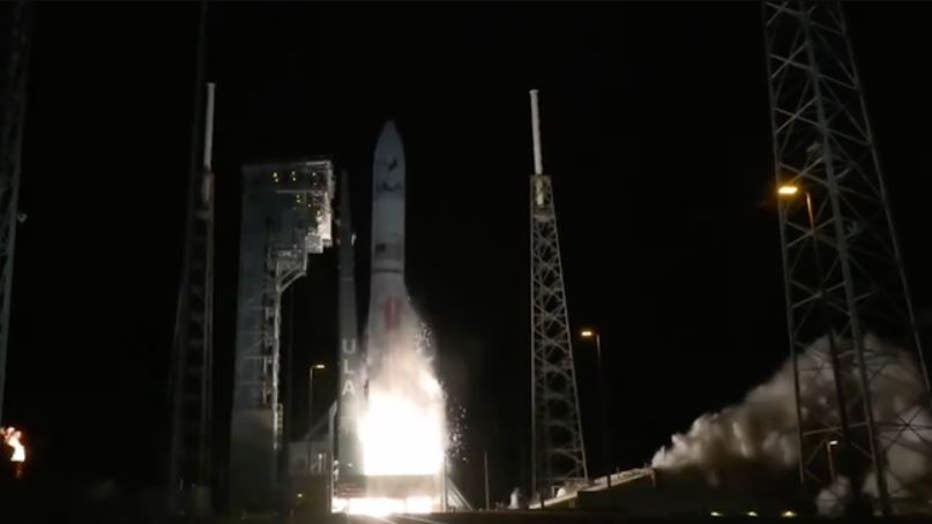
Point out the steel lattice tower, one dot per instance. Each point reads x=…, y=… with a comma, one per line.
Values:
x=558, y=454
x=15, y=25
x=843, y=268
x=192, y=351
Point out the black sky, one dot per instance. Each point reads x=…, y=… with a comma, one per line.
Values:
x=655, y=129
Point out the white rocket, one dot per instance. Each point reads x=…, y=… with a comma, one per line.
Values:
x=403, y=433
x=390, y=310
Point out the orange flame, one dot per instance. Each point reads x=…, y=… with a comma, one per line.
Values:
x=13, y=437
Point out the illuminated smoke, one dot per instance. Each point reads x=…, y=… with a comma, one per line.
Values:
x=761, y=430
x=832, y=499
x=403, y=431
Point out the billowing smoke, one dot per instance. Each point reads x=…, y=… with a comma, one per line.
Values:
x=761, y=431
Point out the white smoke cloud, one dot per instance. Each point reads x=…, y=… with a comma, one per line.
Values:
x=761, y=431
x=832, y=499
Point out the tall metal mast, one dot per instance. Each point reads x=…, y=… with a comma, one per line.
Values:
x=192, y=399
x=13, y=76
x=843, y=268
x=558, y=454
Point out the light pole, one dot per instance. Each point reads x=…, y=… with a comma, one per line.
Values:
x=310, y=394
x=831, y=459
x=790, y=191
x=606, y=457
x=310, y=408
x=485, y=469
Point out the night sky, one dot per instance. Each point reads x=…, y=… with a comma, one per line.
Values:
x=655, y=130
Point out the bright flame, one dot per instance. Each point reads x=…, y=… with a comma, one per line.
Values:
x=403, y=430
x=383, y=506
x=12, y=437
x=787, y=190
x=400, y=435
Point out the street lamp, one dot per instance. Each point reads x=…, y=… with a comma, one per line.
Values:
x=831, y=459
x=310, y=408
x=790, y=191
x=310, y=393
x=589, y=334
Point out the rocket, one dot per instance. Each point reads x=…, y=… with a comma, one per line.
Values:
x=390, y=310
x=389, y=305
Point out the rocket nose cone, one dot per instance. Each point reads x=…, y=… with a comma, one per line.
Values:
x=389, y=137
x=389, y=148
x=389, y=127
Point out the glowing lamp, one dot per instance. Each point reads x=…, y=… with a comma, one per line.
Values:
x=787, y=190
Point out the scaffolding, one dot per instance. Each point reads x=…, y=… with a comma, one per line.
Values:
x=286, y=216
x=843, y=269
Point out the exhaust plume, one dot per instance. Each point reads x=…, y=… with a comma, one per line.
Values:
x=403, y=431
x=761, y=431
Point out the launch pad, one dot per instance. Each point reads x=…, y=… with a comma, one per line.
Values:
x=389, y=494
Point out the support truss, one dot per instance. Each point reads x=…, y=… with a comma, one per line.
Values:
x=843, y=269
x=192, y=348
x=192, y=402
x=558, y=452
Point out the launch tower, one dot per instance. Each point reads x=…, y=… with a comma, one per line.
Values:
x=558, y=454
x=286, y=217
x=843, y=269
x=192, y=346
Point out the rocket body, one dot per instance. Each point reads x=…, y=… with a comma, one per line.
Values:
x=390, y=311
x=403, y=430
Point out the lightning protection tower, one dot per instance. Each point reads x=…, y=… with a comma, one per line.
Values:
x=15, y=27
x=192, y=347
x=558, y=455
x=843, y=269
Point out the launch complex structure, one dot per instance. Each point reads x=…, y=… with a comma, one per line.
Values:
x=843, y=276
